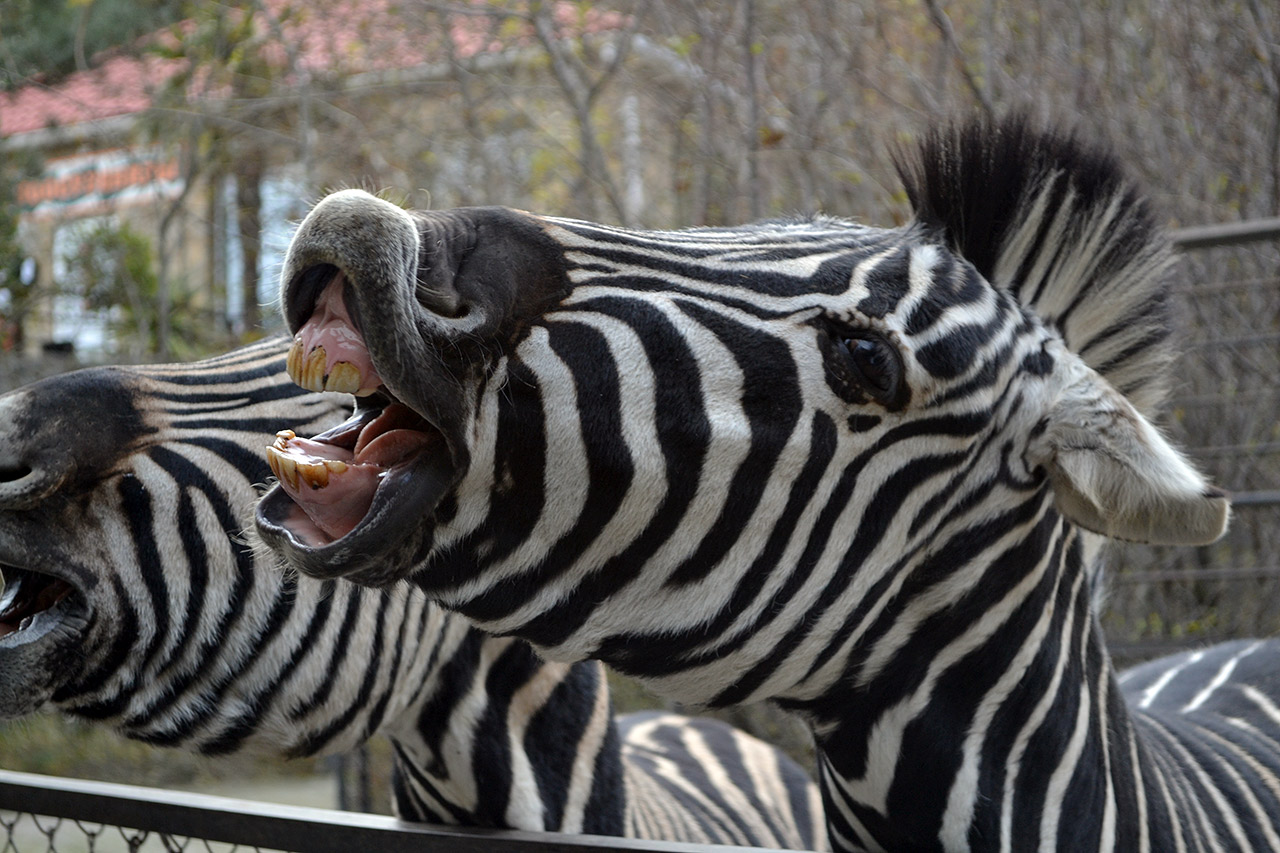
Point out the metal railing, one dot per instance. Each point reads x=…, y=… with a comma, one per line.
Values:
x=66, y=815
x=1226, y=234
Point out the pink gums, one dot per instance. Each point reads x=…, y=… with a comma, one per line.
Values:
x=330, y=326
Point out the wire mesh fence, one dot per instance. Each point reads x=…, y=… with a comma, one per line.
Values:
x=1226, y=411
x=31, y=832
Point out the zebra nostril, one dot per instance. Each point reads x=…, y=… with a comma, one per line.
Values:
x=12, y=472
x=24, y=484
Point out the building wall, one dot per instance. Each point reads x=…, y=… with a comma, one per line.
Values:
x=141, y=185
x=101, y=180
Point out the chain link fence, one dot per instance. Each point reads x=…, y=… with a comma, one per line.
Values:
x=45, y=813
x=31, y=832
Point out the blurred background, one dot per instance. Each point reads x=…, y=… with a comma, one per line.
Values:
x=155, y=156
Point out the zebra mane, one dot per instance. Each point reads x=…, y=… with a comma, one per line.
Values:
x=1056, y=222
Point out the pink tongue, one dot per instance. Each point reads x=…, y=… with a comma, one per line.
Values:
x=337, y=507
x=390, y=437
x=331, y=327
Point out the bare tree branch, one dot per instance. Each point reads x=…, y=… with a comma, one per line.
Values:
x=581, y=92
x=943, y=23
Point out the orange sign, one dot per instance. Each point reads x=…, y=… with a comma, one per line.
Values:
x=107, y=176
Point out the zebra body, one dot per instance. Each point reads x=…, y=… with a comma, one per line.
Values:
x=859, y=471
x=133, y=600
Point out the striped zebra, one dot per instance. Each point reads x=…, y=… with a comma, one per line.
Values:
x=131, y=599
x=860, y=471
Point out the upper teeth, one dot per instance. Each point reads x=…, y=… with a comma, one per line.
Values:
x=309, y=371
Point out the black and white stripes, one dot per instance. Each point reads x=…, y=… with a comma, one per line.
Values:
x=860, y=471
x=133, y=599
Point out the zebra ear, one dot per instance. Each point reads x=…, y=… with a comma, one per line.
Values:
x=1112, y=472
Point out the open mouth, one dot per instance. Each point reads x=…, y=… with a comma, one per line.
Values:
x=31, y=602
x=358, y=473
x=45, y=637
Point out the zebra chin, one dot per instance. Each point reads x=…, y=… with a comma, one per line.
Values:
x=380, y=549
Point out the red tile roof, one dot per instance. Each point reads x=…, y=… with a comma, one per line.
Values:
x=119, y=86
x=327, y=36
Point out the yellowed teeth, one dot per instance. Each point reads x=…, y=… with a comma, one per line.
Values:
x=343, y=377
x=293, y=363
x=288, y=469
x=308, y=371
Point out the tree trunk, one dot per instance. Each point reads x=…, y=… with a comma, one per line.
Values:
x=248, y=223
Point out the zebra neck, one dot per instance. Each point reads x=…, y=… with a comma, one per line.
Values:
x=483, y=732
x=505, y=739
x=984, y=729
x=273, y=665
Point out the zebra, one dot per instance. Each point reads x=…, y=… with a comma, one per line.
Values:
x=863, y=472
x=133, y=600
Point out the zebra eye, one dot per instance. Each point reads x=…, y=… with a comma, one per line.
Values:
x=874, y=366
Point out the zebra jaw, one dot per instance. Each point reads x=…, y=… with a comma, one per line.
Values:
x=334, y=477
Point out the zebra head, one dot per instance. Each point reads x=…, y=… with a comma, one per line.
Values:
x=48, y=612
x=608, y=441
x=84, y=604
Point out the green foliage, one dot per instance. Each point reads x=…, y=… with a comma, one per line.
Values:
x=40, y=36
x=108, y=265
x=112, y=265
x=630, y=695
x=12, y=170
x=224, y=48
x=15, y=298
x=684, y=43
x=58, y=746
x=112, y=268
x=1159, y=625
